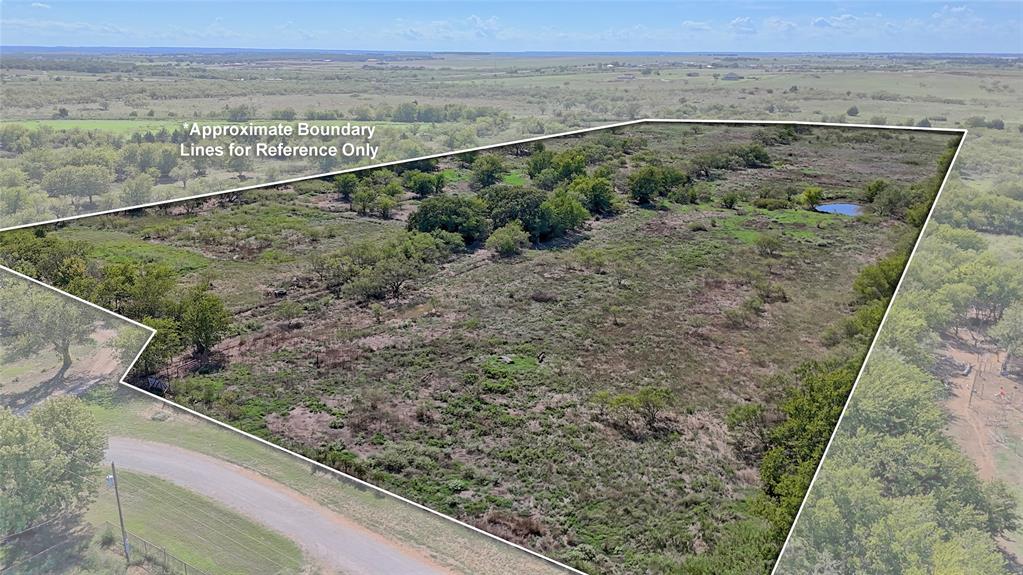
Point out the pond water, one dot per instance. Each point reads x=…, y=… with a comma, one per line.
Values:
x=840, y=208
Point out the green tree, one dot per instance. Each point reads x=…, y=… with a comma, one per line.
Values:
x=874, y=188
x=651, y=401
x=747, y=430
x=166, y=161
x=50, y=460
x=165, y=344
x=363, y=198
x=239, y=163
x=645, y=184
x=487, y=170
x=335, y=270
x=182, y=173
x=204, y=321
x=507, y=204
x=137, y=190
x=1008, y=332
x=346, y=185
x=78, y=181
x=383, y=205
x=508, y=240
x=566, y=212
x=457, y=214
x=768, y=244
x=37, y=320
x=596, y=194
x=539, y=161
x=29, y=461
x=422, y=184
x=812, y=197
x=135, y=290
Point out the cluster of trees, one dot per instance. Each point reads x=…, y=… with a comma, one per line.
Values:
x=429, y=113
x=50, y=458
x=512, y=210
x=622, y=410
x=185, y=319
x=78, y=168
x=371, y=270
x=896, y=494
x=997, y=210
x=378, y=192
x=653, y=181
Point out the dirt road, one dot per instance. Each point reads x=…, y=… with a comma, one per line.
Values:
x=980, y=425
x=334, y=542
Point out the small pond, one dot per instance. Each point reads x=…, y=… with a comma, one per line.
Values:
x=840, y=208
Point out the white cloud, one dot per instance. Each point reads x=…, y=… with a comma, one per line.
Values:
x=742, y=25
x=695, y=26
x=40, y=5
x=776, y=24
x=843, y=21
x=472, y=27
x=61, y=26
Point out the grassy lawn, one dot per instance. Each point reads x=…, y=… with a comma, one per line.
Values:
x=195, y=529
x=117, y=248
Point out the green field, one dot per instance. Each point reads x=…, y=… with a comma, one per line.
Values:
x=118, y=126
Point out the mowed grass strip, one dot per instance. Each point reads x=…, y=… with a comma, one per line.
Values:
x=196, y=529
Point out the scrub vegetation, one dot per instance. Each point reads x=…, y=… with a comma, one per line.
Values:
x=629, y=356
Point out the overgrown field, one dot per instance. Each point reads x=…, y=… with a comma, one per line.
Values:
x=625, y=350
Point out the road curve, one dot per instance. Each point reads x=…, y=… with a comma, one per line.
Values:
x=326, y=536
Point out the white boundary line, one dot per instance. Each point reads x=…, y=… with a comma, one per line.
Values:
x=962, y=133
x=478, y=149
x=870, y=351
x=151, y=331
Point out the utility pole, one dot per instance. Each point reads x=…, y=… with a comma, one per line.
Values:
x=120, y=513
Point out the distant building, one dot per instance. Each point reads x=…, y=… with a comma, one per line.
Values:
x=731, y=76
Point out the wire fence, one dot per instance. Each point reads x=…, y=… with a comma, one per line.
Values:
x=149, y=555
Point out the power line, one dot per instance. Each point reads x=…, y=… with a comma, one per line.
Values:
x=180, y=527
x=153, y=490
x=27, y=559
x=36, y=526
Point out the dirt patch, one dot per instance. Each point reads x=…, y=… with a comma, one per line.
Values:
x=982, y=424
x=302, y=425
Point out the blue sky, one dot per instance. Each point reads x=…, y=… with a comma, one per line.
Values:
x=794, y=26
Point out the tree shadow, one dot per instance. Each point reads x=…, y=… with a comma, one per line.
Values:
x=57, y=547
x=21, y=402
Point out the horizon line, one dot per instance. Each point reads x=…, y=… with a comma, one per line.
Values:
x=638, y=52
